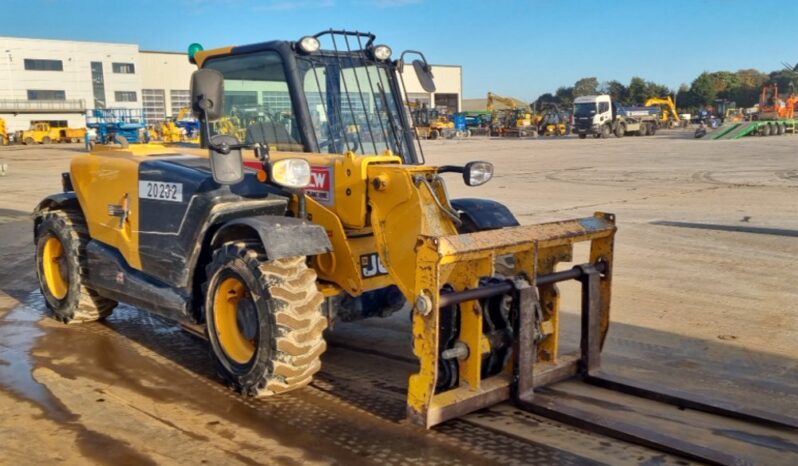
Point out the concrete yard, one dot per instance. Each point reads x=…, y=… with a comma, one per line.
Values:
x=704, y=299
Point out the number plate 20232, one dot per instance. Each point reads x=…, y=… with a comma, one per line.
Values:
x=161, y=191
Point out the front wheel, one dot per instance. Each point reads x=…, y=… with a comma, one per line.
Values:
x=264, y=319
x=620, y=130
x=605, y=131
x=582, y=136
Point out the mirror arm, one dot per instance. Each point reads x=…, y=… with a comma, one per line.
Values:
x=451, y=169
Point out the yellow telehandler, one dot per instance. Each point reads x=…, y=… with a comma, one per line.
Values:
x=324, y=211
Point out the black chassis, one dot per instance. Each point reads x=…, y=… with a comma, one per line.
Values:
x=177, y=239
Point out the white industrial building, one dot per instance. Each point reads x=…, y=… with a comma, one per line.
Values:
x=58, y=81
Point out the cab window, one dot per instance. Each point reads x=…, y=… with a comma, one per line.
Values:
x=257, y=103
x=603, y=107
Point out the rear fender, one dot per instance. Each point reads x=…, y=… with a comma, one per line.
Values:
x=59, y=201
x=280, y=236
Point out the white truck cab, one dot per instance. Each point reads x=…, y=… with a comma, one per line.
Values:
x=591, y=112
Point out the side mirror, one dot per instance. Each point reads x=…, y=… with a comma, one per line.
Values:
x=207, y=94
x=424, y=73
x=227, y=164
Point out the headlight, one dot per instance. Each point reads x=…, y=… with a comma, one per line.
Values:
x=382, y=52
x=477, y=173
x=309, y=44
x=291, y=173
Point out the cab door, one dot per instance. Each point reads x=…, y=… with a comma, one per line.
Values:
x=108, y=191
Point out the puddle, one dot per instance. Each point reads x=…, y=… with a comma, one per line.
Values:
x=19, y=333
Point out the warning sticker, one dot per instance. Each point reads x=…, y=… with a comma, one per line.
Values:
x=321, y=185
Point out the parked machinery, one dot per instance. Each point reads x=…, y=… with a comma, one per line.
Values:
x=669, y=117
x=3, y=133
x=44, y=133
x=515, y=119
x=600, y=116
x=431, y=123
x=117, y=125
x=554, y=120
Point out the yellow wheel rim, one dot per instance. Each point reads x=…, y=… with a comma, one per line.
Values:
x=55, y=273
x=225, y=318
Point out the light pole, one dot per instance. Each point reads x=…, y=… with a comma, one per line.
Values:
x=8, y=70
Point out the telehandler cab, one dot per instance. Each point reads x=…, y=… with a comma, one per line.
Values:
x=324, y=211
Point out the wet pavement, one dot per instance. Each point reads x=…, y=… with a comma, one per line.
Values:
x=702, y=309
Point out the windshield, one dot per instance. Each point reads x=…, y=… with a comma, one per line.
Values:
x=352, y=104
x=257, y=103
x=584, y=108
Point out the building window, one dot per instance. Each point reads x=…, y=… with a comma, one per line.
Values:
x=125, y=96
x=179, y=99
x=52, y=123
x=98, y=84
x=123, y=68
x=33, y=64
x=154, y=104
x=46, y=95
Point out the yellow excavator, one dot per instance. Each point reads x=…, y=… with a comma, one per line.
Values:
x=670, y=116
x=515, y=118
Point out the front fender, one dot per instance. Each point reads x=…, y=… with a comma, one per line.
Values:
x=281, y=236
x=484, y=214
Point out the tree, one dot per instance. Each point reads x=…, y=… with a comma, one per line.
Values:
x=637, y=91
x=545, y=99
x=614, y=89
x=565, y=96
x=656, y=90
x=585, y=86
x=703, y=87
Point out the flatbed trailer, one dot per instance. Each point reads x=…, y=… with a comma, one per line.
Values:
x=741, y=129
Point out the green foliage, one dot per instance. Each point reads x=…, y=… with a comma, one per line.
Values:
x=586, y=86
x=742, y=87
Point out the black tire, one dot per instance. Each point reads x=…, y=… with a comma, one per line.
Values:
x=780, y=130
x=46, y=140
x=582, y=136
x=620, y=130
x=643, y=130
x=72, y=301
x=29, y=141
x=652, y=130
x=597, y=135
x=434, y=134
x=121, y=140
x=284, y=340
x=605, y=131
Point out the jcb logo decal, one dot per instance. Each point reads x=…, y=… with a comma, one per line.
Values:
x=371, y=265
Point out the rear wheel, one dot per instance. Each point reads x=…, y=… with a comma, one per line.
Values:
x=46, y=140
x=264, y=319
x=29, y=141
x=434, y=134
x=582, y=136
x=643, y=130
x=620, y=130
x=652, y=130
x=61, y=238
